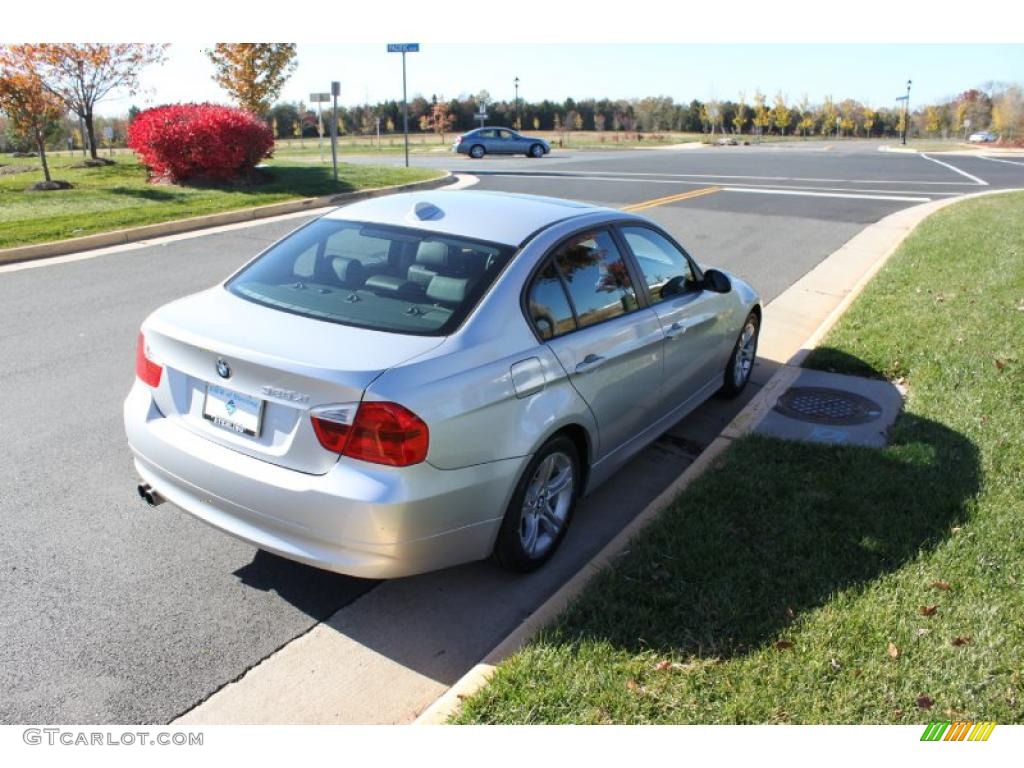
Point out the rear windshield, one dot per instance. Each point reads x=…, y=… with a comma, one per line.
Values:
x=372, y=276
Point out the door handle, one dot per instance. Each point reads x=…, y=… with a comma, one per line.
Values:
x=589, y=363
x=675, y=330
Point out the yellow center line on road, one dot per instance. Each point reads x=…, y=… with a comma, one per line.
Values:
x=671, y=198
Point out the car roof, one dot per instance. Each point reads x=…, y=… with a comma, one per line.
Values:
x=498, y=217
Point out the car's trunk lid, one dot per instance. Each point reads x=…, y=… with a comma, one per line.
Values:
x=278, y=365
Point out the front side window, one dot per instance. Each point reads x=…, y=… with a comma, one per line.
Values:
x=597, y=278
x=372, y=276
x=666, y=270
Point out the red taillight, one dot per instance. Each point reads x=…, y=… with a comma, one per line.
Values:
x=147, y=371
x=332, y=425
x=382, y=433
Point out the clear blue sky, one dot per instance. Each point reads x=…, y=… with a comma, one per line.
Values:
x=871, y=73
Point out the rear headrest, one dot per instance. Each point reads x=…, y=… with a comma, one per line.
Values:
x=448, y=290
x=431, y=253
x=348, y=271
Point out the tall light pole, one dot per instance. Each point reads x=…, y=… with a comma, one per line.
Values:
x=519, y=125
x=906, y=115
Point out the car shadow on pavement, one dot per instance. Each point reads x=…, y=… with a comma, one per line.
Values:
x=313, y=591
x=777, y=528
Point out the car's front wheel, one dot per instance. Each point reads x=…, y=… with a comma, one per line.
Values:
x=536, y=150
x=476, y=151
x=541, y=507
x=741, y=362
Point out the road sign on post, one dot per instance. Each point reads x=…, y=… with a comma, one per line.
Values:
x=404, y=48
x=335, y=90
x=319, y=99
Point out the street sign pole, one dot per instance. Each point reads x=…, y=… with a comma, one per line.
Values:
x=404, y=48
x=335, y=90
x=405, y=112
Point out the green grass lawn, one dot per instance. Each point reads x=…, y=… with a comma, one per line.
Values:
x=799, y=583
x=118, y=196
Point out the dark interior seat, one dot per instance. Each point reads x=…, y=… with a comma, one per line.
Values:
x=346, y=271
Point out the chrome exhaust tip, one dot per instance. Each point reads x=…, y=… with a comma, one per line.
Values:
x=148, y=495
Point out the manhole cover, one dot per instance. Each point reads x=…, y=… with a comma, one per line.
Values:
x=823, y=405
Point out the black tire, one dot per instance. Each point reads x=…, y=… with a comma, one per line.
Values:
x=732, y=382
x=477, y=151
x=509, y=549
x=536, y=150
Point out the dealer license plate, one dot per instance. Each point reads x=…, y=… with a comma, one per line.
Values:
x=233, y=410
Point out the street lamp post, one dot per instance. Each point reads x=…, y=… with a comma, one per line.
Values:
x=519, y=125
x=906, y=115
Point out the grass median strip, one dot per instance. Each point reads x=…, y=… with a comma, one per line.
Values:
x=824, y=584
x=118, y=196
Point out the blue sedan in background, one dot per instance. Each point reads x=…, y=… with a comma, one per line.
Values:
x=499, y=141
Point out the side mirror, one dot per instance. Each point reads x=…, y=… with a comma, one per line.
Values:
x=717, y=281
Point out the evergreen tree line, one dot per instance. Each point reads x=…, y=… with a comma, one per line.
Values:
x=996, y=107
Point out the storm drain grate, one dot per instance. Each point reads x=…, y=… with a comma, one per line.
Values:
x=823, y=405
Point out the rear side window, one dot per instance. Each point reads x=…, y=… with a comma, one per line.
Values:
x=597, y=277
x=380, y=277
x=548, y=305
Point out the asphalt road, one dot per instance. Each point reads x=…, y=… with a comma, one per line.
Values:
x=112, y=612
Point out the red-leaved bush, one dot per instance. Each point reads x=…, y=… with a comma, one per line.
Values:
x=199, y=141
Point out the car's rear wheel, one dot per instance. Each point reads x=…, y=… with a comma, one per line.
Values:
x=477, y=151
x=741, y=362
x=536, y=150
x=541, y=507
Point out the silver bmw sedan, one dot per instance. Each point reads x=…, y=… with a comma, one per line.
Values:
x=419, y=380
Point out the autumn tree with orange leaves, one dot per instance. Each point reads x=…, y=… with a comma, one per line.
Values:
x=82, y=74
x=253, y=73
x=30, y=108
x=439, y=120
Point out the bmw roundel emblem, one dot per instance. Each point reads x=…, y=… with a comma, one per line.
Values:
x=223, y=369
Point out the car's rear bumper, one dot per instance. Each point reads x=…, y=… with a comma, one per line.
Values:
x=358, y=519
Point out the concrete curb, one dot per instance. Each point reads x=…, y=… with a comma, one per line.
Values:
x=134, y=234
x=965, y=151
x=864, y=255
